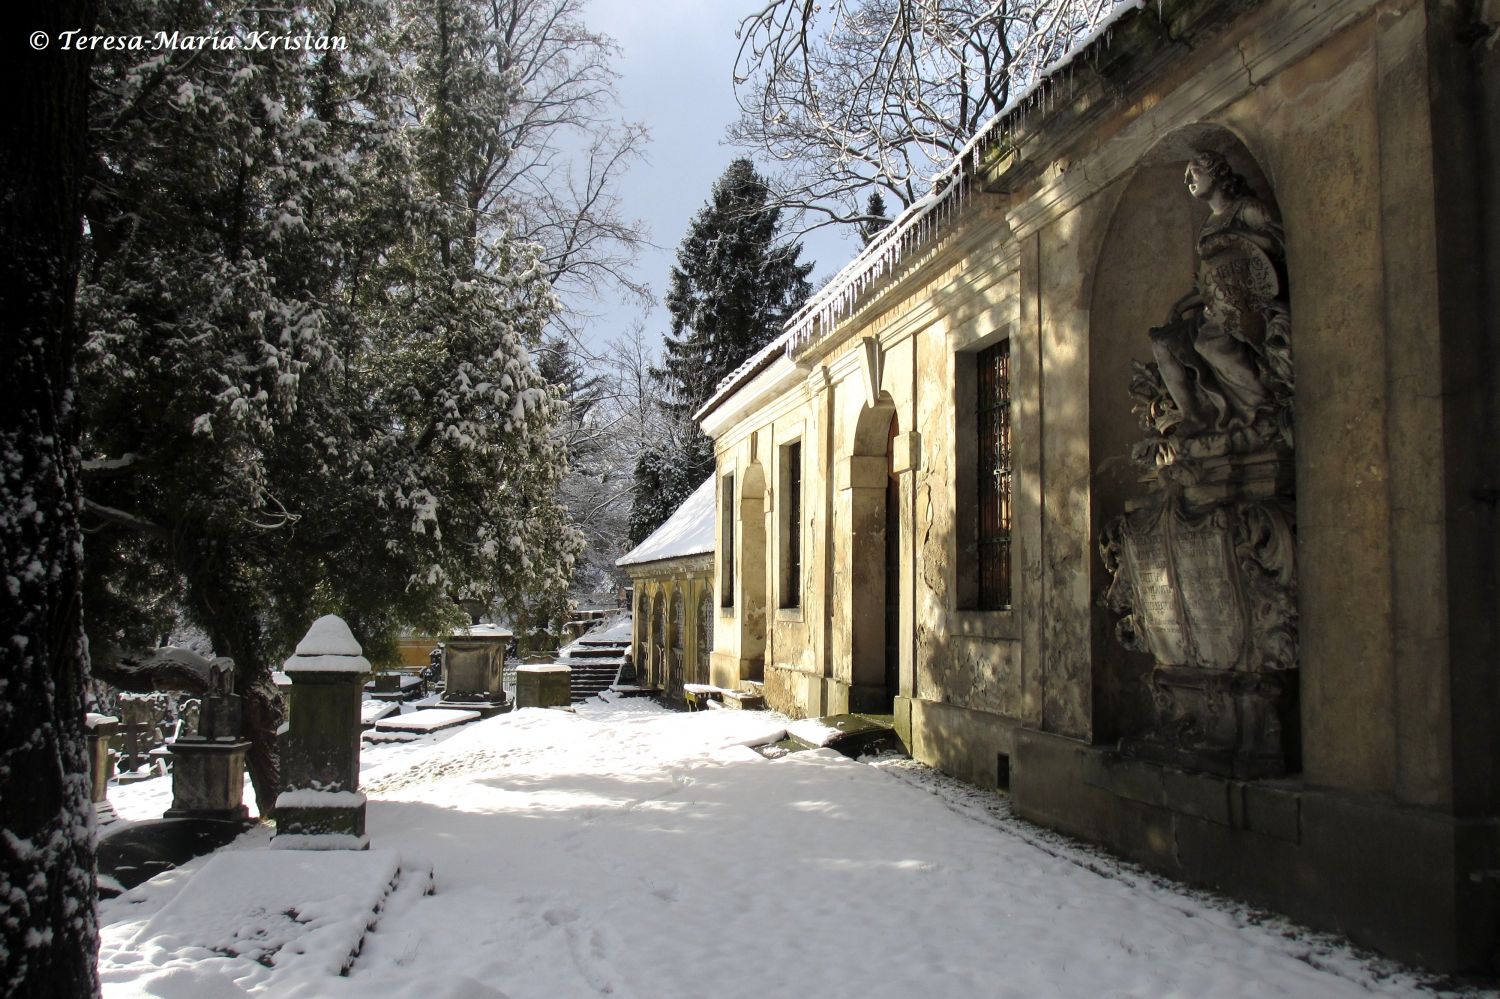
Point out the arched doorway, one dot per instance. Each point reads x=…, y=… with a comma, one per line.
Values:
x=705, y=636
x=675, y=657
x=658, y=641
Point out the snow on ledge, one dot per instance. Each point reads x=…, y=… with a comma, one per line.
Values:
x=320, y=841
x=309, y=798
x=327, y=664
x=544, y=668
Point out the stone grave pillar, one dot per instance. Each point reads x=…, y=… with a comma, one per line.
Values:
x=544, y=686
x=137, y=715
x=208, y=766
x=320, y=807
x=100, y=729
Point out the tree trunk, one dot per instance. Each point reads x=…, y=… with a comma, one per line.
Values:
x=48, y=925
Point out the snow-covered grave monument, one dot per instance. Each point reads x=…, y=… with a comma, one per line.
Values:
x=474, y=670
x=320, y=807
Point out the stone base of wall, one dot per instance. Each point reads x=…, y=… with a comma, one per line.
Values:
x=973, y=746
x=793, y=692
x=1413, y=883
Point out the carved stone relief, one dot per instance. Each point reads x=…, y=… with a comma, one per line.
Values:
x=1202, y=564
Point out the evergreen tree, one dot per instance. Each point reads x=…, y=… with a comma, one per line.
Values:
x=732, y=290
x=875, y=219
x=308, y=380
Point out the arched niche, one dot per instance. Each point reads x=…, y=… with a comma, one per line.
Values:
x=1146, y=262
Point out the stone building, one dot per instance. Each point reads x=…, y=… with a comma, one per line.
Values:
x=1148, y=468
x=671, y=573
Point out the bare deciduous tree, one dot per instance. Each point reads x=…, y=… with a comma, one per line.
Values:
x=854, y=94
x=550, y=169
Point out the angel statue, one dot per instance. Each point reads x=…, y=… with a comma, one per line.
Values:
x=1224, y=353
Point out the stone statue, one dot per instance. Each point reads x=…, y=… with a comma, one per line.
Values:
x=1202, y=563
x=1223, y=357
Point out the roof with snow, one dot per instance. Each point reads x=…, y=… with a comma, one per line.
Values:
x=923, y=222
x=689, y=531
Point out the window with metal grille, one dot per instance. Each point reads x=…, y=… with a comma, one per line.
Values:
x=726, y=543
x=992, y=421
x=791, y=558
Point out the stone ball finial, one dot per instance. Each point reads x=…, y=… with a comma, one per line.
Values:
x=328, y=647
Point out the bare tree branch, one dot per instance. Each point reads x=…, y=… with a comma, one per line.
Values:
x=855, y=95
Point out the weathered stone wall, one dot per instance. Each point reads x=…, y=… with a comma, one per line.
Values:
x=1362, y=121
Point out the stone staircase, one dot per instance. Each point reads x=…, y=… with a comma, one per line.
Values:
x=595, y=659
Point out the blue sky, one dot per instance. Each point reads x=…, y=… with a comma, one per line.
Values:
x=676, y=75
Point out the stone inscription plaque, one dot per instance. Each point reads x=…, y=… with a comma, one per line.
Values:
x=1210, y=600
x=1183, y=576
x=1149, y=568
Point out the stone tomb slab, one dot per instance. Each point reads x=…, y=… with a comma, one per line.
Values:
x=282, y=909
x=428, y=720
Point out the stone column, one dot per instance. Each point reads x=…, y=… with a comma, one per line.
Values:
x=320, y=807
x=100, y=729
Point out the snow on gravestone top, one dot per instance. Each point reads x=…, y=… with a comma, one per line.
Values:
x=328, y=647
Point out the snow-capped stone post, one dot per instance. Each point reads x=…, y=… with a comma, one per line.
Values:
x=320, y=807
x=100, y=729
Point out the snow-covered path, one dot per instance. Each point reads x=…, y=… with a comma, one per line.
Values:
x=632, y=852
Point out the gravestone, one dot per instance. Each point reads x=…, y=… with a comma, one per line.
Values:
x=320, y=806
x=544, y=686
x=100, y=729
x=474, y=669
x=1203, y=560
x=208, y=765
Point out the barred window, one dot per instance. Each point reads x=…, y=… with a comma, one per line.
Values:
x=726, y=543
x=791, y=558
x=993, y=477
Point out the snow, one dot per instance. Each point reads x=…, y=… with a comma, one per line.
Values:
x=689, y=531
x=327, y=664
x=426, y=720
x=328, y=647
x=484, y=631
x=635, y=852
x=329, y=636
x=544, y=668
x=309, y=798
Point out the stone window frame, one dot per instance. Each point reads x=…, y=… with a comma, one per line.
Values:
x=791, y=526
x=970, y=617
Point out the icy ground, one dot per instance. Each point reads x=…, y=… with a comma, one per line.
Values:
x=633, y=852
